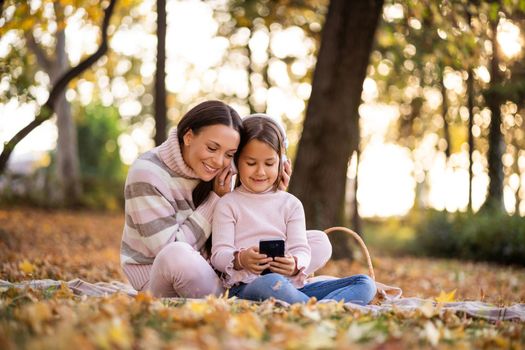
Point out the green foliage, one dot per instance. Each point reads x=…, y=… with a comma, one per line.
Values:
x=435, y=234
x=487, y=235
x=390, y=236
x=103, y=173
x=17, y=69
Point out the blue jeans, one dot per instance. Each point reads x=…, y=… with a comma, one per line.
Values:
x=358, y=289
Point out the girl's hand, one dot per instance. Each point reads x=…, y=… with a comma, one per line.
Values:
x=286, y=266
x=222, y=182
x=252, y=261
x=287, y=173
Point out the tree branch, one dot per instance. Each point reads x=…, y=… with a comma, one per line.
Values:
x=47, y=109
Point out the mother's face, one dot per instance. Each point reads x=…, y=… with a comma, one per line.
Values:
x=210, y=149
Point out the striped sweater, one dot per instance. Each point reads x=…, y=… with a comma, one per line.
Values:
x=159, y=209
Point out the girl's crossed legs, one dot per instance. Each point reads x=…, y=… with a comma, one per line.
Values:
x=358, y=289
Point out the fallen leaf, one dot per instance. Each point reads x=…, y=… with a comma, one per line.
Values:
x=26, y=267
x=446, y=297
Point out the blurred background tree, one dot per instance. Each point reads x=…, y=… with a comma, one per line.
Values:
x=321, y=165
x=36, y=33
x=160, y=113
x=42, y=27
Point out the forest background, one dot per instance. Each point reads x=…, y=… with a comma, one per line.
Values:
x=408, y=113
x=405, y=123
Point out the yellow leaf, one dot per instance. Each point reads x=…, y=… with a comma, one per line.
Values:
x=26, y=25
x=64, y=291
x=26, y=267
x=112, y=334
x=198, y=307
x=247, y=325
x=119, y=334
x=446, y=297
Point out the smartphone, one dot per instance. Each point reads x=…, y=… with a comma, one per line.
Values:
x=272, y=249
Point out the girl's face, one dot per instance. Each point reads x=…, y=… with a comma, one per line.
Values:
x=210, y=150
x=258, y=166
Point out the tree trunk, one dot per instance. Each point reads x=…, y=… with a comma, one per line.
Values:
x=331, y=127
x=47, y=110
x=160, y=76
x=496, y=143
x=69, y=183
x=67, y=165
x=470, y=96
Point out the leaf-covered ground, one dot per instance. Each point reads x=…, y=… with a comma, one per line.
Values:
x=37, y=244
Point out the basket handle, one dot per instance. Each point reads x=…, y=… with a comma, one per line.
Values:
x=361, y=244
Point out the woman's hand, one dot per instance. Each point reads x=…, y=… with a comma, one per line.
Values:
x=222, y=182
x=287, y=173
x=286, y=265
x=252, y=261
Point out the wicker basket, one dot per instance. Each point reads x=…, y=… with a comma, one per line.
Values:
x=361, y=244
x=385, y=291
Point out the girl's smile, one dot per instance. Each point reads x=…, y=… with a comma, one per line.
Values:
x=258, y=166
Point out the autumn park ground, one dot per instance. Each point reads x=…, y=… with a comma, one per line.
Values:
x=64, y=245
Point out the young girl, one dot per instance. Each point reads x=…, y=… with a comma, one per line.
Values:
x=256, y=210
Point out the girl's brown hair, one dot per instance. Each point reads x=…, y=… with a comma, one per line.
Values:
x=207, y=114
x=264, y=129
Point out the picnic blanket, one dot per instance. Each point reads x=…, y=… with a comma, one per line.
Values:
x=476, y=309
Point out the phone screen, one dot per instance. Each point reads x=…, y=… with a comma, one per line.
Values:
x=272, y=248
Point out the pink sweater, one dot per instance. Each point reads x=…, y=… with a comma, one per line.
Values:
x=243, y=218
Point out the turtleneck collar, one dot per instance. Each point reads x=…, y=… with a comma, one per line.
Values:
x=244, y=189
x=170, y=153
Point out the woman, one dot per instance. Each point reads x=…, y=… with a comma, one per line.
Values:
x=170, y=195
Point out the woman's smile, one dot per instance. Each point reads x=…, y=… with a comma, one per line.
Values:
x=210, y=150
x=211, y=170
